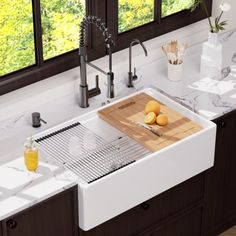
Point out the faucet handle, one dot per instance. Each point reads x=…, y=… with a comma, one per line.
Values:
x=131, y=78
x=97, y=81
x=95, y=91
x=135, y=77
x=110, y=85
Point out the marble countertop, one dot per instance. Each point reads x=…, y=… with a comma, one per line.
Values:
x=209, y=97
x=19, y=189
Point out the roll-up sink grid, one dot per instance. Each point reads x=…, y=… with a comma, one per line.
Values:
x=87, y=154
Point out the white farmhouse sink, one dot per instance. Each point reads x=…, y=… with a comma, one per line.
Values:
x=140, y=178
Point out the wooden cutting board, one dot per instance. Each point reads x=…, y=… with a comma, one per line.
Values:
x=125, y=114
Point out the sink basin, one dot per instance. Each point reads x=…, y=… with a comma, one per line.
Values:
x=114, y=172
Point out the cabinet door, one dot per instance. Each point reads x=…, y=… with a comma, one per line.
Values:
x=220, y=210
x=55, y=217
x=187, y=225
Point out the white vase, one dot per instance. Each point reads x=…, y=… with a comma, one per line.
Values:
x=211, y=58
x=213, y=39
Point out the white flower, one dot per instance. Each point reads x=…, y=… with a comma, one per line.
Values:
x=224, y=6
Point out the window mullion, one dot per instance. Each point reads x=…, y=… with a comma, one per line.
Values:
x=37, y=32
x=157, y=11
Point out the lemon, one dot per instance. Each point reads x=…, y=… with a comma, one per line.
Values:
x=153, y=106
x=150, y=118
x=162, y=120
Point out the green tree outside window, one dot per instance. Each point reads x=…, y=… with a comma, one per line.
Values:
x=60, y=23
x=134, y=13
x=16, y=35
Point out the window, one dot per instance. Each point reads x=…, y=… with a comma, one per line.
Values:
x=170, y=7
x=134, y=13
x=146, y=19
x=60, y=26
x=40, y=38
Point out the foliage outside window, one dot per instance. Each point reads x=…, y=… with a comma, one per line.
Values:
x=16, y=35
x=170, y=7
x=60, y=23
x=134, y=13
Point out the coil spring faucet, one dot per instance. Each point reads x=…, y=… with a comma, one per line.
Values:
x=85, y=93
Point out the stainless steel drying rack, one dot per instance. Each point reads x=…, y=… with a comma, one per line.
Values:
x=88, y=155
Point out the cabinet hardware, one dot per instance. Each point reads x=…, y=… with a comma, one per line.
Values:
x=145, y=205
x=222, y=124
x=11, y=224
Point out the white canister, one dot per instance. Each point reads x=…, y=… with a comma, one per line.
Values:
x=175, y=71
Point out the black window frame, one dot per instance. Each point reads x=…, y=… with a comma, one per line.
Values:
x=155, y=28
x=108, y=11
x=44, y=69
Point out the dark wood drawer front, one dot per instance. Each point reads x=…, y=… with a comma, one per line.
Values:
x=188, y=225
x=53, y=217
x=154, y=210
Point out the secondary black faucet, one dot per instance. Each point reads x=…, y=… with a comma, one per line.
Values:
x=132, y=76
x=85, y=93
